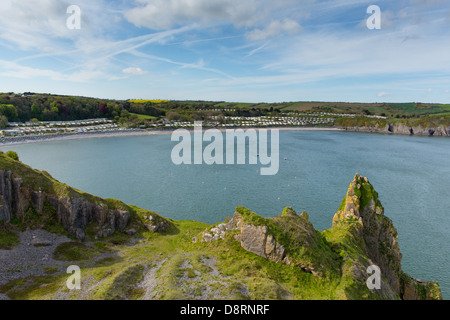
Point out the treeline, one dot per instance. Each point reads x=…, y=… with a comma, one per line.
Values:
x=147, y=108
x=46, y=107
x=24, y=107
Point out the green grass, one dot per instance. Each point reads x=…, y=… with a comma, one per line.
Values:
x=124, y=285
x=143, y=116
x=34, y=288
x=8, y=237
x=251, y=217
x=51, y=269
x=74, y=251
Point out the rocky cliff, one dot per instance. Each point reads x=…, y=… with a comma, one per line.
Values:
x=28, y=195
x=362, y=215
x=361, y=237
x=403, y=129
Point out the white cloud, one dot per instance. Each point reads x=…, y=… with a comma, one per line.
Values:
x=384, y=94
x=84, y=76
x=275, y=28
x=14, y=70
x=200, y=65
x=134, y=71
x=41, y=24
x=166, y=14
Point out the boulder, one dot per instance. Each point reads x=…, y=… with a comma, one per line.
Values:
x=257, y=239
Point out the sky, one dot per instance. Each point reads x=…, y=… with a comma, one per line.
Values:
x=228, y=50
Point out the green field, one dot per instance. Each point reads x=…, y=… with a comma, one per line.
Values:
x=143, y=116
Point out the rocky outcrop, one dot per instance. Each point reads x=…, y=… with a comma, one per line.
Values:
x=5, y=212
x=362, y=209
x=361, y=237
x=74, y=213
x=258, y=240
x=363, y=213
x=155, y=224
x=253, y=238
x=254, y=235
x=215, y=233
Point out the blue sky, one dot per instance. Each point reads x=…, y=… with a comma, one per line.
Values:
x=230, y=50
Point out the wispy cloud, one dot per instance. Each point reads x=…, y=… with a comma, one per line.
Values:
x=134, y=71
x=199, y=66
x=275, y=28
x=14, y=70
x=257, y=49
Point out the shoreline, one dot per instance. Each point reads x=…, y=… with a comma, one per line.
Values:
x=20, y=140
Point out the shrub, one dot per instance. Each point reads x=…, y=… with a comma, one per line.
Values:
x=72, y=251
x=13, y=155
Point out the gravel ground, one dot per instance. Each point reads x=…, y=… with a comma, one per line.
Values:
x=149, y=282
x=31, y=256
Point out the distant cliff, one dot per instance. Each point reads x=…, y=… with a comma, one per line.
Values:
x=402, y=129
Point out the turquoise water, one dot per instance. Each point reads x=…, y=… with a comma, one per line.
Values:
x=411, y=175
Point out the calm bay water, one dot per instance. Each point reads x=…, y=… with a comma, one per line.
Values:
x=411, y=175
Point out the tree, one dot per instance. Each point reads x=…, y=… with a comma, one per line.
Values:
x=35, y=111
x=13, y=155
x=173, y=116
x=103, y=108
x=9, y=111
x=3, y=122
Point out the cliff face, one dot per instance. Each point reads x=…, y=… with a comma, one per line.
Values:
x=362, y=215
x=361, y=237
x=402, y=129
x=33, y=198
x=74, y=214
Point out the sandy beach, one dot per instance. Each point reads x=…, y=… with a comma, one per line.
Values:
x=9, y=141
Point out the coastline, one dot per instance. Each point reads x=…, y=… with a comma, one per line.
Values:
x=11, y=141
